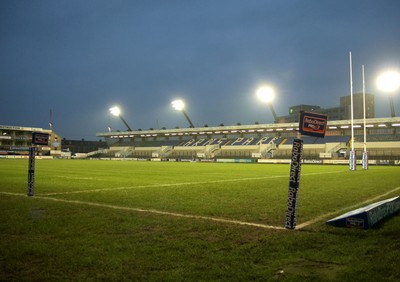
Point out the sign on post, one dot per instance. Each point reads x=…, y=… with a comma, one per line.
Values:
x=312, y=124
x=294, y=183
x=31, y=171
x=39, y=138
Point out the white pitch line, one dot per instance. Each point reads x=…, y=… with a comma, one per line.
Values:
x=152, y=211
x=324, y=216
x=76, y=178
x=237, y=222
x=182, y=184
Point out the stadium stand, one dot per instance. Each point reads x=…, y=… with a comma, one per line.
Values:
x=16, y=140
x=256, y=142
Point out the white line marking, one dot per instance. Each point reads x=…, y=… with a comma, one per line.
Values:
x=77, y=177
x=230, y=221
x=183, y=183
x=199, y=217
x=324, y=216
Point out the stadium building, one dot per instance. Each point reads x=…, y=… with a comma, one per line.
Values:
x=341, y=112
x=82, y=146
x=258, y=143
x=16, y=140
x=268, y=142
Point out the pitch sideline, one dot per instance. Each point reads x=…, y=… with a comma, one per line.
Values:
x=152, y=211
x=184, y=183
x=199, y=217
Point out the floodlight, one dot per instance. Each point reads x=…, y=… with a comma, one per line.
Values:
x=179, y=105
x=266, y=94
x=115, y=111
x=389, y=82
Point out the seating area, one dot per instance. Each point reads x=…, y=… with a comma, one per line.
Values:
x=250, y=147
x=204, y=142
x=317, y=140
x=380, y=138
x=258, y=141
x=241, y=141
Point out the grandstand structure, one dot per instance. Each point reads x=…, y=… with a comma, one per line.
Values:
x=16, y=140
x=257, y=143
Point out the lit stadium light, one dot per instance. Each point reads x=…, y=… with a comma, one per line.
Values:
x=266, y=94
x=179, y=105
x=115, y=111
x=389, y=82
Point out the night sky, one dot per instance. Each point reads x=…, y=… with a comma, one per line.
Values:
x=78, y=58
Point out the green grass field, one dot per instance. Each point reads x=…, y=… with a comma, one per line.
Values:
x=153, y=221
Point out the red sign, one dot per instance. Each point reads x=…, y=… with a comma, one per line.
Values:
x=313, y=124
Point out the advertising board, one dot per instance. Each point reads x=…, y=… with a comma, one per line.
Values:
x=313, y=124
x=39, y=138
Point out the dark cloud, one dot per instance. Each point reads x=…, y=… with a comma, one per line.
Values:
x=79, y=58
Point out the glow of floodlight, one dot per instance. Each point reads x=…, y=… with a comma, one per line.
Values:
x=178, y=105
x=388, y=81
x=115, y=111
x=266, y=94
